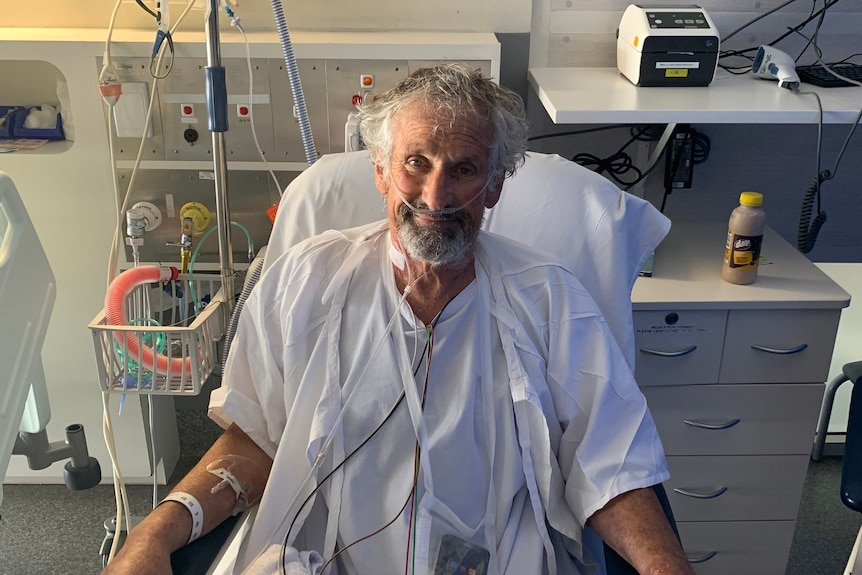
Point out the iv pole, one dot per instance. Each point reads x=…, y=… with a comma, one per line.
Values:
x=216, y=98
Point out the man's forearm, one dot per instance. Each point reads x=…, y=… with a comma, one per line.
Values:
x=635, y=526
x=168, y=526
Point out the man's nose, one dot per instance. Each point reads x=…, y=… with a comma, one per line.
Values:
x=439, y=188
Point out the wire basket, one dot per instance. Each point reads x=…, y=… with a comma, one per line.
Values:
x=170, y=344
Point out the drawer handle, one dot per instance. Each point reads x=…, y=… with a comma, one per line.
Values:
x=669, y=353
x=697, y=495
x=702, y=558
x=790, y=351
x=713, y=426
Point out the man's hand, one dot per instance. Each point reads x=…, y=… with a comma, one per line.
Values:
x=635, y=526
x=141, y=554
x=148, y=547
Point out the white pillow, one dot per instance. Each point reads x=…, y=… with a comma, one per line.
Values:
x=602, y=234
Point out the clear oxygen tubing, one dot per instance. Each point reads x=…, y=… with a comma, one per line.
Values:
x=115, y=312
x=197, y=250
x=442, y=211
x=295, y=86
x=289, y=510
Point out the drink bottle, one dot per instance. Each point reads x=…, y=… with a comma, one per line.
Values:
x=744, y=239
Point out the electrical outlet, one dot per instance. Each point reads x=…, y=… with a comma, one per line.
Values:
x=679, y=163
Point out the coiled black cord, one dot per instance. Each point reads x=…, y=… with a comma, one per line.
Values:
x=808, y=229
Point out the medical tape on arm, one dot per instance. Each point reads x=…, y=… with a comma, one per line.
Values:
x=223, y=469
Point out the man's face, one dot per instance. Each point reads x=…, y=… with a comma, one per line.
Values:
x=438, y=164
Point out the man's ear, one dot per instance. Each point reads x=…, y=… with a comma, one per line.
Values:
x=380, y=181
x=493, y=195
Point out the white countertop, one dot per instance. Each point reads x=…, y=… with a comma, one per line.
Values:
x=603, y=95
x=687, y=269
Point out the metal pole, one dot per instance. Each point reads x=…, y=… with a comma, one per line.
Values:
x=216, y=92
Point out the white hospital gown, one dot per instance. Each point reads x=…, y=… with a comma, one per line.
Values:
x=532, y=420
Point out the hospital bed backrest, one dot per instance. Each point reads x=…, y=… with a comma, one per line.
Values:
x=602, y=234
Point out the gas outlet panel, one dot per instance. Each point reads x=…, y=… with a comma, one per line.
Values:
x=177, y=153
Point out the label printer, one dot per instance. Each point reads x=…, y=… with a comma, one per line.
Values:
x=667, y=46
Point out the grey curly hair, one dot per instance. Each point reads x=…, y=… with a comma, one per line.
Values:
x=453, y=89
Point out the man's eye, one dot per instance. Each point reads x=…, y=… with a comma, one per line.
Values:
x=466, y=171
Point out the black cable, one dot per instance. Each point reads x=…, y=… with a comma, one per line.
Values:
x=648, y=171
x=742, y=52
x=147, y=9
x=170, y=43
x=670, y=176
x=808, y=228
x=356, y=450
x=759, y=17
x=615, y=165
x=701, y=147
x=847, y=58
x=339, y=466
x=579, y=132
x=816, y=29
x=796, y=29
x=620, y=163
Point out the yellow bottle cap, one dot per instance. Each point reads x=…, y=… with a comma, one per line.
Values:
x=751, y=199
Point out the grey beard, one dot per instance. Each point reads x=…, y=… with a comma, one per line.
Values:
x=438, y=247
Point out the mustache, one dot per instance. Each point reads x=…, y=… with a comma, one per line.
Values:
x=408, y=215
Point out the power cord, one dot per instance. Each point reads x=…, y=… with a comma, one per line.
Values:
x=744, y=53
x=620, y=163
x=700, y=148
x=809, y=228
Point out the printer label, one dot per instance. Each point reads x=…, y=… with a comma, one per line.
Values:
x=666, y=65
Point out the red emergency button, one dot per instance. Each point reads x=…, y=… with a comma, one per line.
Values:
x=242, y=110
x=366, y=80
x=188, y=110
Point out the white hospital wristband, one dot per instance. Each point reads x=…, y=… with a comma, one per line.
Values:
x=194, y=507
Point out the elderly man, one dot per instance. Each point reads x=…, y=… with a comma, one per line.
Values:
x=420, y=396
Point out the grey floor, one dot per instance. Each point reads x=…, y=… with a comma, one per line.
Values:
x=48, y=530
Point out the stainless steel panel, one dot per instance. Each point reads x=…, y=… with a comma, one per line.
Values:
x=342, y=83
x=250, y=194
x=286, y=135
x=137, y=70
x=239, y=139
x=187, y=137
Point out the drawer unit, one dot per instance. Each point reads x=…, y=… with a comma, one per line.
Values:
x=734, y=379
x=775, y=346
x=736, y=419
x=736, y=487
x=737, y=547
x=678, y=347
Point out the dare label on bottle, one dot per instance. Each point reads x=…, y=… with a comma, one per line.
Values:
x=742, y=251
